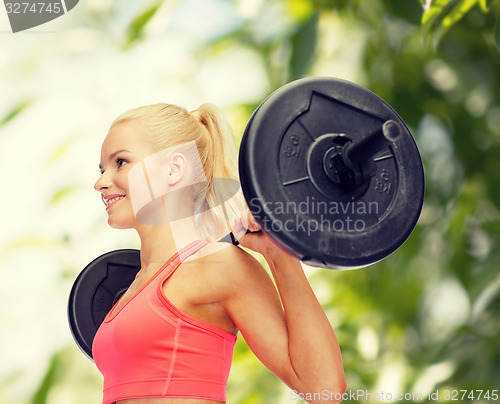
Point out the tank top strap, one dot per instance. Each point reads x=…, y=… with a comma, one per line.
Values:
x=183, y=254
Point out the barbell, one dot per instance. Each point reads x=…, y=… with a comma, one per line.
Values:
x=330, y=172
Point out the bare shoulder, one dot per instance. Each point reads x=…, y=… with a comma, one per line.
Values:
x=231, y=267
x=227, y=258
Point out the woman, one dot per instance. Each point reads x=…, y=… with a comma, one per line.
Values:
x=170, y=338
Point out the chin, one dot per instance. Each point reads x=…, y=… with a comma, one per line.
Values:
x=121, y=217
x=120, y=224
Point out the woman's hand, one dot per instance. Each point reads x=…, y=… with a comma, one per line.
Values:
x=255, y=239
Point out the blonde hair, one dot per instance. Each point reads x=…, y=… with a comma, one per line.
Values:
x=168, y=126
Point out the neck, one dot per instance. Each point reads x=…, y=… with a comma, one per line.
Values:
x=160, y=243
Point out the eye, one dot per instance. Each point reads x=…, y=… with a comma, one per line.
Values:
x=120, y=162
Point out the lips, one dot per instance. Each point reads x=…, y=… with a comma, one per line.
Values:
x=110, y=200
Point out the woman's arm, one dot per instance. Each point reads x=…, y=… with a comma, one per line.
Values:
x=313, y=348
x=289, y=332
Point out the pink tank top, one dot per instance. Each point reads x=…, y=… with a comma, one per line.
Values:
x=151, y=349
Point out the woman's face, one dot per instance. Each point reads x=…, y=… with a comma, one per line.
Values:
x=122, y=148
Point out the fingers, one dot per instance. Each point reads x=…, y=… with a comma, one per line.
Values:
x=244, y=222
x=238, y=229
x=248, y=220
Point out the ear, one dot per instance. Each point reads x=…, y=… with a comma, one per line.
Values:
x=177, y=167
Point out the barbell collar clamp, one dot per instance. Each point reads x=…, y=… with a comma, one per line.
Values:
x=343, y=164
x=357, y=153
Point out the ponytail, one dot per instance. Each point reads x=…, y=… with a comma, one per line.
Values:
x=219, y=142
x=218, y=157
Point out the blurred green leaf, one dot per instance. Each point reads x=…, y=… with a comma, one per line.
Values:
x=62, y=193
x=301, y=9
x=492, y=226
x=497, y=33
x=62, y=149
x=457, y=12
x=303, y=48
x=486, y=4
x=442, y=15
x=30, y=241
x=136, y=27
x=409, y=10
x=15, y=111
x=53, y=373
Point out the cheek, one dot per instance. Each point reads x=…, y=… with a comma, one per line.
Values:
x=122, y=180
x=122, y=215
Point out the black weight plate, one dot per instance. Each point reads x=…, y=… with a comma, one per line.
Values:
x=292, y=198
x=95, y=291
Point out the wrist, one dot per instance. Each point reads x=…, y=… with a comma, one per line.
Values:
x=276, y=256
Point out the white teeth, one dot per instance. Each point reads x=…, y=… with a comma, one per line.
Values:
x=108, y=202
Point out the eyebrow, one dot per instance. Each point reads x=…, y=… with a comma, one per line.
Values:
x=113, y=155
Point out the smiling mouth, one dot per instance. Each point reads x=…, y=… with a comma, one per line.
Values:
x=111, y=201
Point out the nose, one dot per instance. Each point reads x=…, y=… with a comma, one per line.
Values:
x=102, y=183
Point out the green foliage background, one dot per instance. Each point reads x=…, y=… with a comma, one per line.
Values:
x=422, y=320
